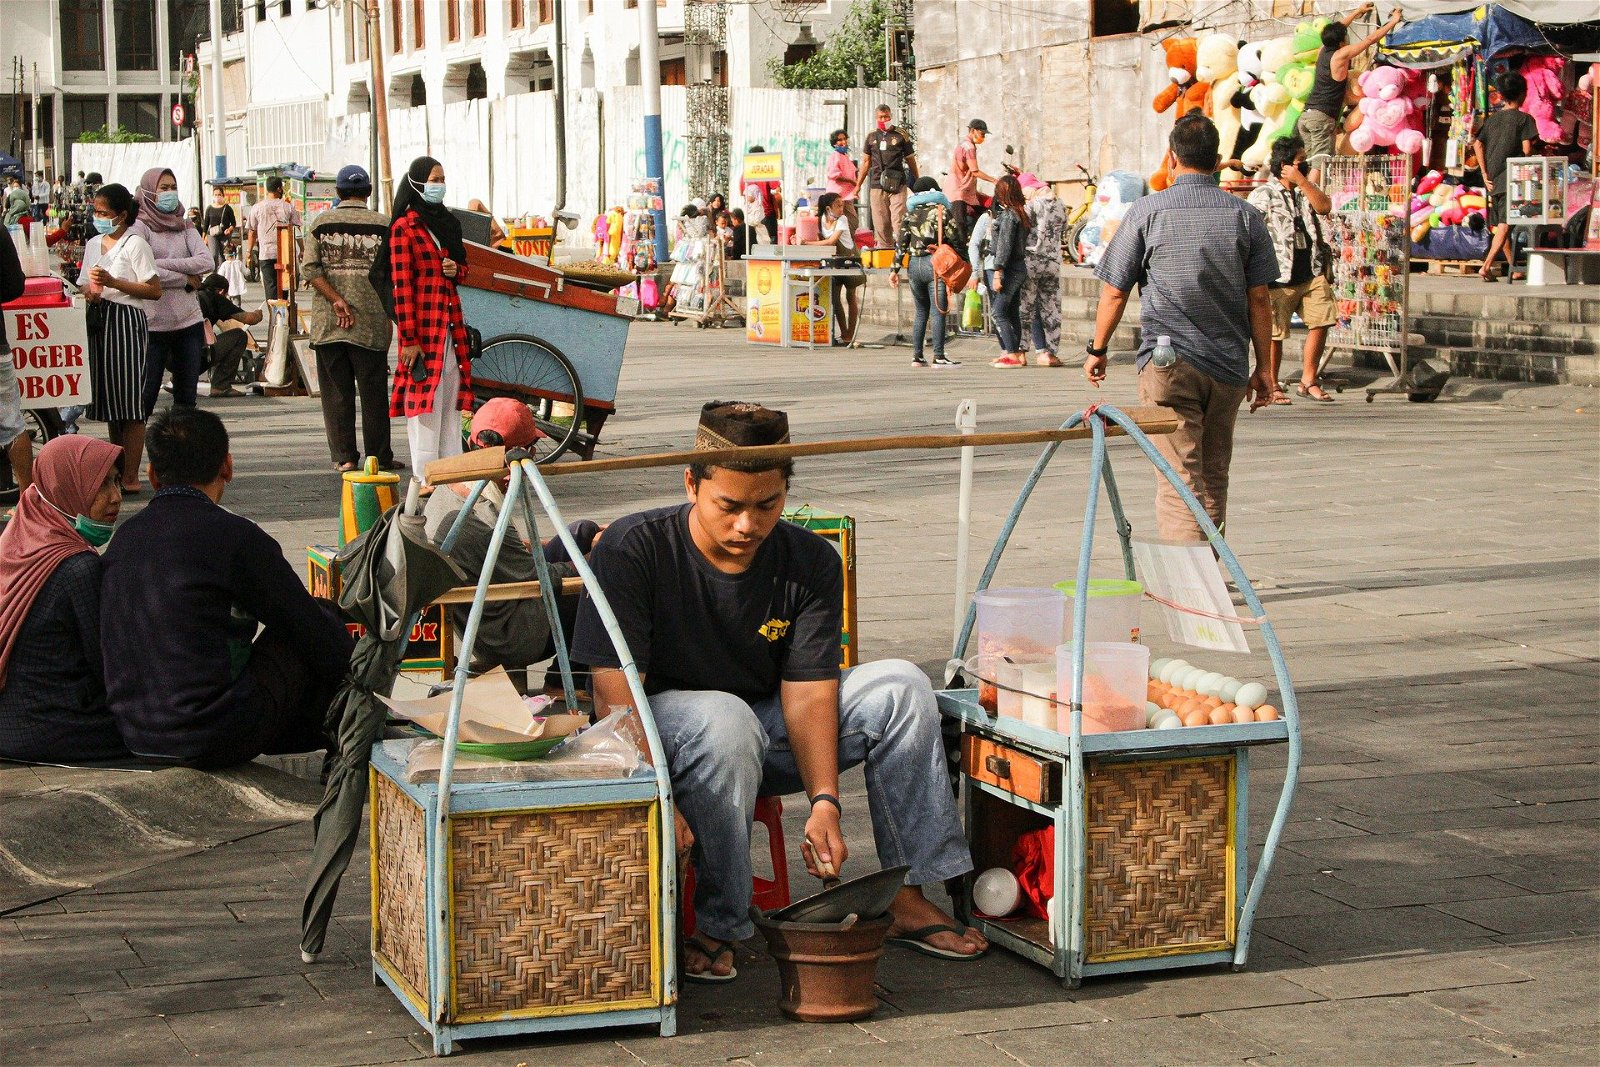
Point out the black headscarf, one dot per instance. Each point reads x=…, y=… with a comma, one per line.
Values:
x=444, y=226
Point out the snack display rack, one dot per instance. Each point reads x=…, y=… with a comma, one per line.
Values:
x=1151, y=843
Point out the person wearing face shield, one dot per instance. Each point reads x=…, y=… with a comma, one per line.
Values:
x=177, y=337
x=52, y=677
x=425, y=259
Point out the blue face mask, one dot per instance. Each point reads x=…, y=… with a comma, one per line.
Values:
x=103, y=225
x=92, y=531
x=433, y=192
x=842, y=149
x=168, y=201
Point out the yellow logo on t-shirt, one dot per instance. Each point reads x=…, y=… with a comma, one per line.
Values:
x=775, y=629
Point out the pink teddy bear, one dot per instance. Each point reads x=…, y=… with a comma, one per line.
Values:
x=1543, y=74
x=1386, y=112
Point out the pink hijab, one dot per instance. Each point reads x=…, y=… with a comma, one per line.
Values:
x=158, y=221
x=68, y=473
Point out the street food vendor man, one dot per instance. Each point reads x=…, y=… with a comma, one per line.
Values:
x=733, y=619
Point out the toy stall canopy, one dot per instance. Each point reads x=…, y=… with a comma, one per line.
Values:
x=1442, y=31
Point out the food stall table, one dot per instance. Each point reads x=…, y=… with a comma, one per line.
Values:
x=1150, y=849
x=784, y=305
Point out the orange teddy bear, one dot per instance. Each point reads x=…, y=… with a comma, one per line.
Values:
x=1183, y=91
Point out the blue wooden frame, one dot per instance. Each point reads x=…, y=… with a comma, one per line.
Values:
x=445, y=798
x=1066, y=958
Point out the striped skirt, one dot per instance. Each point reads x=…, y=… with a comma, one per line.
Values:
x=116, y=365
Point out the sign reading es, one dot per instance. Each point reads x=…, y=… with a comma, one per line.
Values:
x=50, y=348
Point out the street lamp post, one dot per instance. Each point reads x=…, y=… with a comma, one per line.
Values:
x=380, y=104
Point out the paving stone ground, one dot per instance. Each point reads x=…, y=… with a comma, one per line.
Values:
x=1433, y=571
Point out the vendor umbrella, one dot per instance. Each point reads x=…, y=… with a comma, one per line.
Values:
x=389, y=573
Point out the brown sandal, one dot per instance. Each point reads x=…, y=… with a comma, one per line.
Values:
x=1314, y=391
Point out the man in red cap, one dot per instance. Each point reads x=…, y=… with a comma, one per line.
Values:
x=513, y=633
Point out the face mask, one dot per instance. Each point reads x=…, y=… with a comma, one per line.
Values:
x=883, y=124
x=842, y=149
x=433, y=192
x=104, y=225
x=167, y=201
x=96, y=533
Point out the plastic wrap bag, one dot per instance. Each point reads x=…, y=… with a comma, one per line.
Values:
x=611, y=748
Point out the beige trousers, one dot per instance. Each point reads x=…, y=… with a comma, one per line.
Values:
x=887, y=211
x=1200, y=450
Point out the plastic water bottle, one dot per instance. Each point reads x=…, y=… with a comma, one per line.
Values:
x=1163, y=356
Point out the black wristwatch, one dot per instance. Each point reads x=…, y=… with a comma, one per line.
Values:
x=1096, y=352
x=829, y=798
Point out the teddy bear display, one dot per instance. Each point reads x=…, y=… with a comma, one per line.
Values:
x=1217, y=65
x=1183, y=90
x=1249, y=74
x=1270, y=99
x=1386, y=112
x=1543, y=74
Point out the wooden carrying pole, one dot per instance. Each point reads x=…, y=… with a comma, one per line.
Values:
x=490, y=462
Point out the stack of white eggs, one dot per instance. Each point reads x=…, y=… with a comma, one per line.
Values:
x=1181, y=694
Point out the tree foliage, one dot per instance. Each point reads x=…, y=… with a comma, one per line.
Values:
x=858, y=42
x=113, y=135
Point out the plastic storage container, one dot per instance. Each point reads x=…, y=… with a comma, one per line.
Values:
x=1113, y=609
x=1115, y=674
x=1022, y=625
x=807, y=227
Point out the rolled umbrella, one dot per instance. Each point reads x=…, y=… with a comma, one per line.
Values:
x=388, y=575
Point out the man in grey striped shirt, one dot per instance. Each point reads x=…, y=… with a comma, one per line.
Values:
x=1202, y=259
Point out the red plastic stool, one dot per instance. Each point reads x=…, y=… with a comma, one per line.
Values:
x=764, y=893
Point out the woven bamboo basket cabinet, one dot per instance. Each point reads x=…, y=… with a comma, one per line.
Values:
x=552, y=916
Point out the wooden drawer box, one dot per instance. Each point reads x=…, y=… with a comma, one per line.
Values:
x=1029, y=777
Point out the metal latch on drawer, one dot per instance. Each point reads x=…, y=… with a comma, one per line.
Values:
x=1000, y=768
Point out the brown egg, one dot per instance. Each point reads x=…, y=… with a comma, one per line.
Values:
x=1266, y=713
x=1212, y=702
x=1196, y=718
x=1219, y=717
x=1154, y=691
x=1241, y=715
x=1192, y=706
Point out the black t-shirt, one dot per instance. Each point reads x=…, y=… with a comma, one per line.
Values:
x=216, y=307
x=886, y=150
x=217, y=216
x=690, y=626
x=1502, y=135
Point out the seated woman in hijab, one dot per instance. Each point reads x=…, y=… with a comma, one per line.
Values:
x=52, y=685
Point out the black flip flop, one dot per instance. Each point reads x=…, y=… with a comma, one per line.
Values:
x=916, y=941
x=724, y=948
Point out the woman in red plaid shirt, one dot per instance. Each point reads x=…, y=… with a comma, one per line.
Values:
x=427, y=259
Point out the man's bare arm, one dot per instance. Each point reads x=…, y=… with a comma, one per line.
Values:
x=811, y=715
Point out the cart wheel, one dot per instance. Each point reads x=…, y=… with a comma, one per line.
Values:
x=1369, y=397
x=533, y=371
x=1075, y=232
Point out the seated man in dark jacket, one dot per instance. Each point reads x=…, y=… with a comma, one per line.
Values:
x=186, y=585
x=513, y=633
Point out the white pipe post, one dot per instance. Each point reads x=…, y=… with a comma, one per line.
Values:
x=967, y=424
x=650, y=79
x=219, y=129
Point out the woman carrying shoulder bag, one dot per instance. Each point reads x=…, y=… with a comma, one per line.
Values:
x=426, y=261
x=119, y=279
x=928, y=226
x=1010, y=248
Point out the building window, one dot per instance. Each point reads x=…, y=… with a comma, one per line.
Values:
x=516, y=14
x=480, y=18
x=187, y=21
x=477, y=83
x=356, y=33
x=630, y=3
x=83, y=38
x=135, y=28
x=259, y=9
x=452, y=20
x=285, y=8
x=588, y=7
x=1108, y=18
x=397, y=26
x=673, y=72
x=547, y=11
x=140, y=114
x=80, y=114
x=419, y=26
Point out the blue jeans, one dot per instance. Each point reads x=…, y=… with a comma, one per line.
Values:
x=1006, y=307
x=929, y=295
x=723, y=753
x=179, y=351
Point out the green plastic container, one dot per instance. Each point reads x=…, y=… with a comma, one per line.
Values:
x=1113, y=609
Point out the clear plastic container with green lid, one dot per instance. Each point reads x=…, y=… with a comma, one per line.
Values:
x=1113, y=609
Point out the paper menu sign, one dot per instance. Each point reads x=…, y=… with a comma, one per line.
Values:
x=492, y=713
x=1188, y=574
